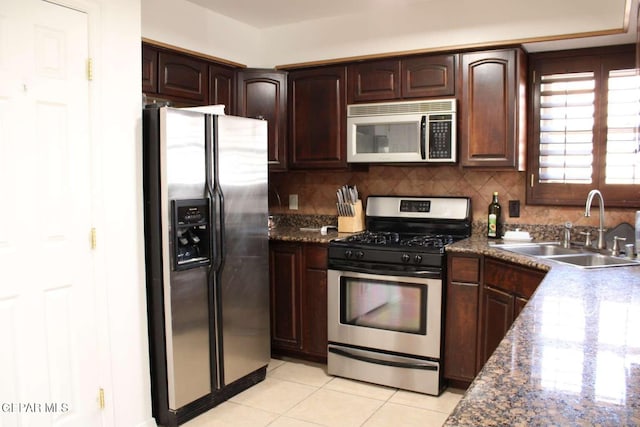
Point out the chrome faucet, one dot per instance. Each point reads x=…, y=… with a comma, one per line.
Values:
x=600, y=244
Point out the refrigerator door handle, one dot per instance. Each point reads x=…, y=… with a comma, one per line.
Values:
x=216, y=196
x=220, y=258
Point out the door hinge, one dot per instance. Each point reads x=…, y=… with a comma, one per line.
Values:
x=101, y=398
x=89, y=69
x=93, y=238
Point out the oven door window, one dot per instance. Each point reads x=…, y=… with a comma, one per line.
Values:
x=384, y=305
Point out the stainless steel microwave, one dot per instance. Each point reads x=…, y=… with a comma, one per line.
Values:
x=402, y=132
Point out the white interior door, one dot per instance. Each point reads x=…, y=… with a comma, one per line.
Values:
x=48, y=368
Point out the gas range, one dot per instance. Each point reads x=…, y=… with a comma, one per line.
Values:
x=385, y=291
x=410, y=231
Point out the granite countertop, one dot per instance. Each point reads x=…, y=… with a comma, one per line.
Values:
x=572, y=357
x=288, y=228
x=294, y=234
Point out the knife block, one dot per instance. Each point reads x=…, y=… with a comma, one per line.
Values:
x=352, y=224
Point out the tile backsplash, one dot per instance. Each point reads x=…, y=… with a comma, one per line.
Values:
x=316, y=192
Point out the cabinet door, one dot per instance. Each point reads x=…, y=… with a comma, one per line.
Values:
x=317, y=118
x=263, y=94
x=461, y=318
x=518, y=306
x=285, y=275
x=428, y=76
x=221, y=87
x=314, y=301
x=373, y=81
x=497, y=317
x=149, y=69
x=492, y=126
x=461, y=331
x=183, y=77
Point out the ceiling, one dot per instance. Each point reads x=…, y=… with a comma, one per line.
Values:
x=273, y=13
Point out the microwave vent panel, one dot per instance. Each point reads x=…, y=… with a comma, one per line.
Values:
x=393, y=108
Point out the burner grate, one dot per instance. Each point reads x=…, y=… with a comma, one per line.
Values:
x=382, y=238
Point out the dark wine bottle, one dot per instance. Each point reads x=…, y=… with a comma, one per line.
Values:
x=495, y=210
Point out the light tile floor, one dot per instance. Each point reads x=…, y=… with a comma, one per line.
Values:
x=301, y=394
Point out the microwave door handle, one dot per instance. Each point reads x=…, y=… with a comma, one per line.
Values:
x=423, y=138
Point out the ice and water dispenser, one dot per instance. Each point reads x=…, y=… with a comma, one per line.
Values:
x=191, y=233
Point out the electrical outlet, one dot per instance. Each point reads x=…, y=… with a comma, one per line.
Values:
x=293, y=202
x=514, y=208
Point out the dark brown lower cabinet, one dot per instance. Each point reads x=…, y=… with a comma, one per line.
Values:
x=314, y=301
x=484, y=296
x=506, y=290
x=461, y=319
x=298, y=278
x=285, y=276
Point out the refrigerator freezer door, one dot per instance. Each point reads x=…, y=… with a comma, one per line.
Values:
x=244, y=277
x=182, y=140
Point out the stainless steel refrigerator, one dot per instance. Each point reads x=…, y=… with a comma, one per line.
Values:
x=206, y=246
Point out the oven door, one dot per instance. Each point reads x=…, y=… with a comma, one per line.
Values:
x=383, y=312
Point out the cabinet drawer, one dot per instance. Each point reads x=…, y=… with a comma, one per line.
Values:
x=464, y=269
x=512, y=278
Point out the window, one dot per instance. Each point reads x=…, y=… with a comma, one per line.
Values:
x=584, y=130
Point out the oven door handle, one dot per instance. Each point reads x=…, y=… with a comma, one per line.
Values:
x=344, y=353
x=425, y=274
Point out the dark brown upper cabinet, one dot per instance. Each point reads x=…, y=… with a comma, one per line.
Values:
x=429, y=76
x=186, y=80
x=374, y=81
x=222, y=81
x=493, y=108
x=149, y=69
x=262, y=94
x=318, y=118
x=183, y=76
x=405, y=78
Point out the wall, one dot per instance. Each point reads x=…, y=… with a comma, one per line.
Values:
x=317, y=192
x=189, y=26
x=117, y=134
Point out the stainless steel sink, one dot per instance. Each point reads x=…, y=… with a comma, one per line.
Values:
x=537, y=249
x=576, y=256
x=592, y=260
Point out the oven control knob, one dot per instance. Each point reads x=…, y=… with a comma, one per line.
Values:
x=417, y=259
x=348, y=253
x=359, y=254
x=406, y=258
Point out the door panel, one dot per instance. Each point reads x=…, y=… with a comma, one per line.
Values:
x=47, y=297
x=244, y=287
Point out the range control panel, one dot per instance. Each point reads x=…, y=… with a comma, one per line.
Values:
x=415, y=205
